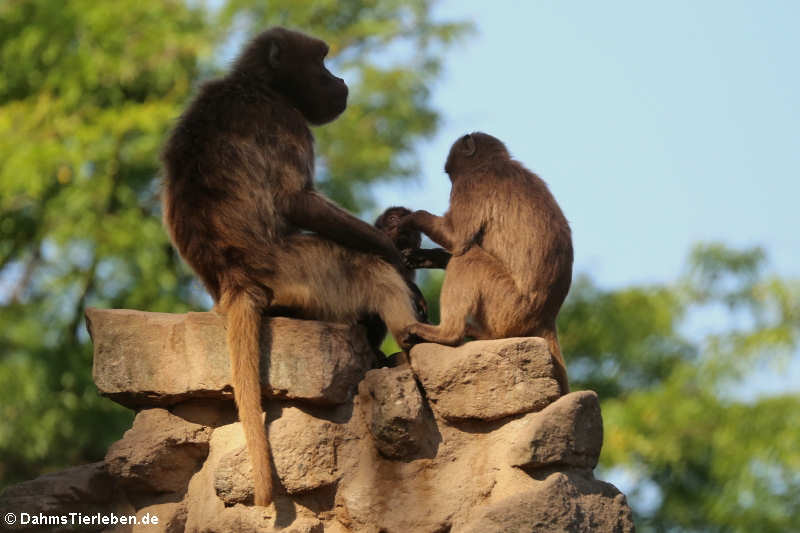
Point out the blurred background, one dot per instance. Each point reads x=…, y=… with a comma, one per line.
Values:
x=667, y=132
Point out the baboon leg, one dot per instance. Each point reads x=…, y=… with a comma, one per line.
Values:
x=501, y=308
x=460, y=299
x=341, y=285
x=395, y=302
x=376, y=331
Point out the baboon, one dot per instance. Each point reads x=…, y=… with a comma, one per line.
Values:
x=240, y=206
x=408, y=241
x=512, y=251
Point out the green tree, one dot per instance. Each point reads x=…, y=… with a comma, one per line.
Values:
x=88, y=92
x=704, y=456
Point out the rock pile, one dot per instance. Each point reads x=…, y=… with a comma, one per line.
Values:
x=467, y=439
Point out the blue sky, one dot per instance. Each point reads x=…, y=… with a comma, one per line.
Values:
x=656, y=125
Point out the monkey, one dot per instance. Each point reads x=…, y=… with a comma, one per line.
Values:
x=511, y=265
x=241, y=209
x=409, y=242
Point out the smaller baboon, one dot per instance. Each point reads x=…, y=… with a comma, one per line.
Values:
x=512, y=251
x=408, y=240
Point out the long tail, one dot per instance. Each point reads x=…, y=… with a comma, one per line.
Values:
x=243, y=325
x=551, y=336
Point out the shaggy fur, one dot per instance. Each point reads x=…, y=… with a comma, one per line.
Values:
x=512, y=250
x=240, y=207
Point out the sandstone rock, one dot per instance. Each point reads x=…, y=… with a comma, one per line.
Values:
x=170, y=518
x=305, y=525
x=233, y=477
x=207, y=412
x=202, y=504
x=239, y=518
x=461, y=440
x=156, y=359
x=486, y=380
x=395, y=413
x=85, y=489
x=562, y=502
x=307, y=450
x=159, y=453
x=566, y=432
x=216, y=493
x=422, y=495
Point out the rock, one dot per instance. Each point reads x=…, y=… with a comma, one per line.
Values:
x=307, y=449
x=212, y=413
x=203, y=506
x=467, y=439
x=486, y=380
x=566, y=432
x=216, y=493
x=308, y=453
x=159, y=454
x=562, y=502
x=305, y=525
x=161, y=518
x=85, y=489
x=238, y=518
x=395, y=413
x=158, y=359
x=233, y=477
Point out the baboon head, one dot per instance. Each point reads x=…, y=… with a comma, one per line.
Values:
x=474, y=151
x=389, y=221
x=292, y=63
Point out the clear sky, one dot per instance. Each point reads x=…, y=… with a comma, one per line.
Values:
x=656, y=125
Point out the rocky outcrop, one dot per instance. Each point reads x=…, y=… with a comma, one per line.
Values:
x=486, y=380
x=467, y=439
x=148, y=359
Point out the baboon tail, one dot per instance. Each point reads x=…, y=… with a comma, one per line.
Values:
x=243, y=325
x=551, y=336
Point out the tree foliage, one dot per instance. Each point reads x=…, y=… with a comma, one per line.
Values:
x=88, y=92
x=703, y=455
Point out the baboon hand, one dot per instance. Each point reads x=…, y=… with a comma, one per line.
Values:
x=409, y=338
x=409, y=222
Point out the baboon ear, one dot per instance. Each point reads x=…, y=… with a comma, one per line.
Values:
x=274, y=54
x=469, y=145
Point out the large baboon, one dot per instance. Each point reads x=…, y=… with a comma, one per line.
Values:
x=240, y=206
x=512, y=250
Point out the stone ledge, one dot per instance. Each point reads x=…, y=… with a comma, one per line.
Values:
x=487, y=380
x=568, y=432
x=146, y=359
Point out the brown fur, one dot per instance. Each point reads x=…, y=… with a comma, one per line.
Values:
x=239, y=190
x=408, y=240
x=512, y=250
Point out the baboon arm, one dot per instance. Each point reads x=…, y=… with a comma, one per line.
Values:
x=437, y=228
x=310, y=210
x=441, y=231
x=428, y=258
